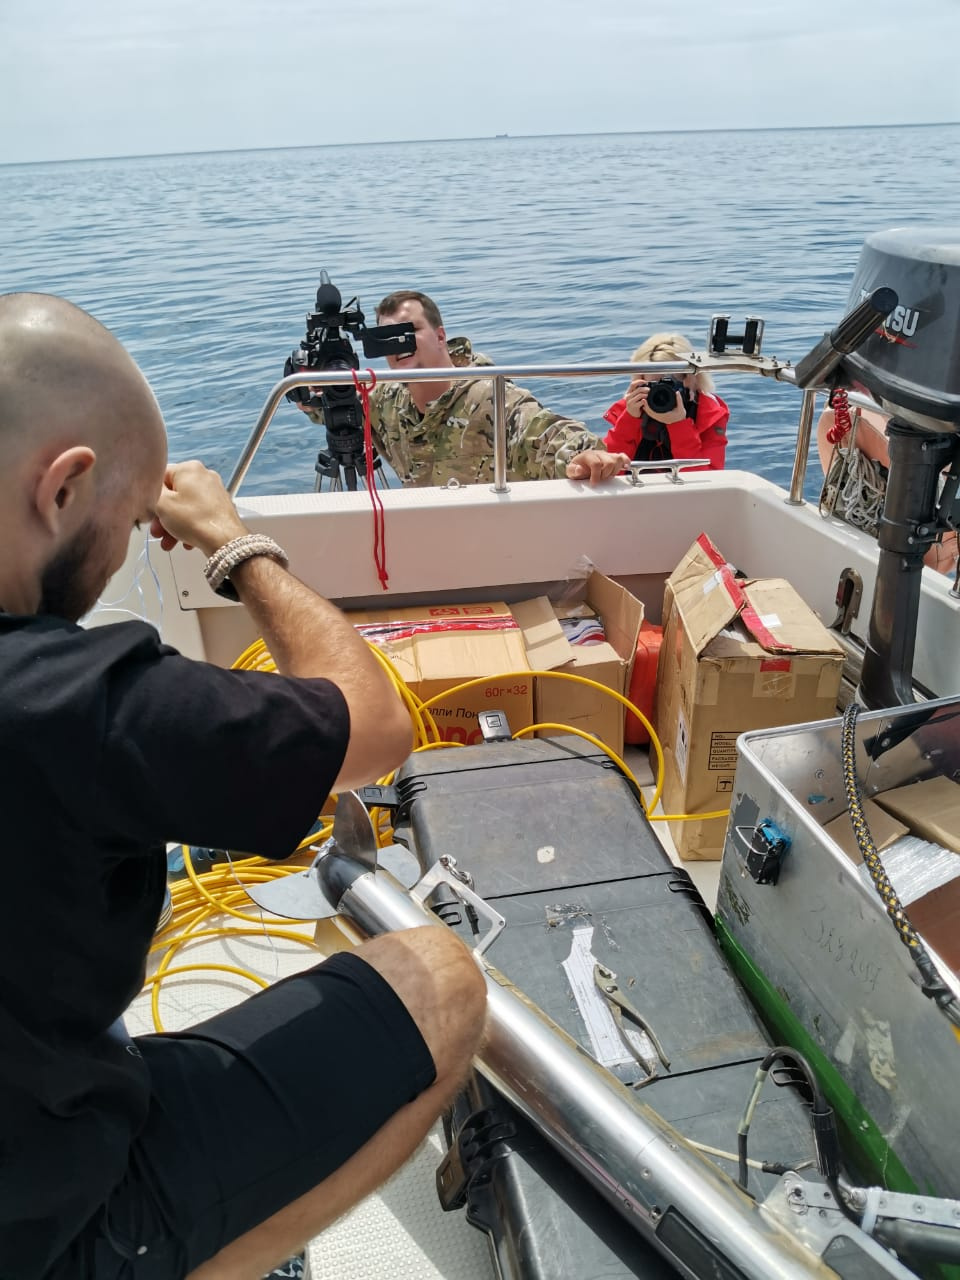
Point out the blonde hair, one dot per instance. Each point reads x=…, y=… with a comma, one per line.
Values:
x=670, y=346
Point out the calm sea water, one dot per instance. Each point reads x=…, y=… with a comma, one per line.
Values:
x=539, y=249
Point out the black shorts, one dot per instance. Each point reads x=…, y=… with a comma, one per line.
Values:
x=250, y=1110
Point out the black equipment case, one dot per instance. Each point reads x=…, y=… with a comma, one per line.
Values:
x=556, y=838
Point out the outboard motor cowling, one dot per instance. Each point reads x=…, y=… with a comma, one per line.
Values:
x=910, y=364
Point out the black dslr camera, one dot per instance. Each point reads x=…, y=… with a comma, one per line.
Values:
x=327, y=346
x=662, y=396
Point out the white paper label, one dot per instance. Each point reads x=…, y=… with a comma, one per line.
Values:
x=605, y=1043
x=605, y=1040
x=771, y=621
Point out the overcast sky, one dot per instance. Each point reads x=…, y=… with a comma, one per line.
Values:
x=85, y=78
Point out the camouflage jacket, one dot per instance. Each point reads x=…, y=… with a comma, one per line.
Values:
x=453, y=439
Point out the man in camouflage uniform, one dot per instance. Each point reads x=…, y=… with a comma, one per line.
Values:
x=432, y=432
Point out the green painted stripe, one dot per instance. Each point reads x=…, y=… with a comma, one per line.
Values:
x=874, y=1155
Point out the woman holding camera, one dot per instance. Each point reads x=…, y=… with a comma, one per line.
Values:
x=668, y=418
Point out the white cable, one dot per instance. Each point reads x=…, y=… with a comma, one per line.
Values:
x=729, y=1155
x=139, y=612
x=871, y=1209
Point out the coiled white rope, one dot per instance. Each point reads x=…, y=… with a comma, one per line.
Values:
x=854, y=489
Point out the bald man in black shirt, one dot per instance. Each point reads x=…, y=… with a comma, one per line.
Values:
x=123, y=1157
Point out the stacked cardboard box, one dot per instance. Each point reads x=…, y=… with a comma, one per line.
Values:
x=609, y=664
x=436, y=647
x=884, y=828
x=736, y=655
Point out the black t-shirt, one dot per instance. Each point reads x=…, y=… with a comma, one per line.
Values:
x=112, y=744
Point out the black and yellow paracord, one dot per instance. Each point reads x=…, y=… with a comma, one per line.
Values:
x=933, y=985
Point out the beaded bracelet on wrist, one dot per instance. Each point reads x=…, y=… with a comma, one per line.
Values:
x=222, y=563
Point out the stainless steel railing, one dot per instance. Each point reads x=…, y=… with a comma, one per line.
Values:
x=765, y=366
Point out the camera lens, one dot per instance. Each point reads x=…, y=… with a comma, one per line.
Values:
x=662, y=396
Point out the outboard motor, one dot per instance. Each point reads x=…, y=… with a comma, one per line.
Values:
x=910, y=364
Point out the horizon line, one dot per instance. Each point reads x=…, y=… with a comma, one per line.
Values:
x=483, y=137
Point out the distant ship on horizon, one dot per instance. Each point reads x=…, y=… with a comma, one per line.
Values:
x=501, y=135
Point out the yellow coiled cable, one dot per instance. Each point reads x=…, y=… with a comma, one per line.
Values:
x=220, y=891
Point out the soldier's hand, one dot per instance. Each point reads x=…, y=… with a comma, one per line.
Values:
x=596, y=465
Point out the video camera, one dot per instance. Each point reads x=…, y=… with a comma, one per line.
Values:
x=327, y=346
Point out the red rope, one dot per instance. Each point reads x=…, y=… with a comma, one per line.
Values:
x=379, y=529
x=375, y=499
x=840, y=405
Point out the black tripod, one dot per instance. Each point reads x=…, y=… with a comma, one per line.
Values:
x=343, y=463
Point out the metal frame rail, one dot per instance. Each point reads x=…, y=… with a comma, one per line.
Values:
x=765, y=366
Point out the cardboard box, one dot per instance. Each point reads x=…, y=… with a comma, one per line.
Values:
x=435, y=647
x=609, y=664
x=884, y=828
x=735, y=656
x=926, y=878
x=936, y=917
x=930, y=809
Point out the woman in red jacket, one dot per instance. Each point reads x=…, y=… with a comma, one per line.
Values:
x=694, y=427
